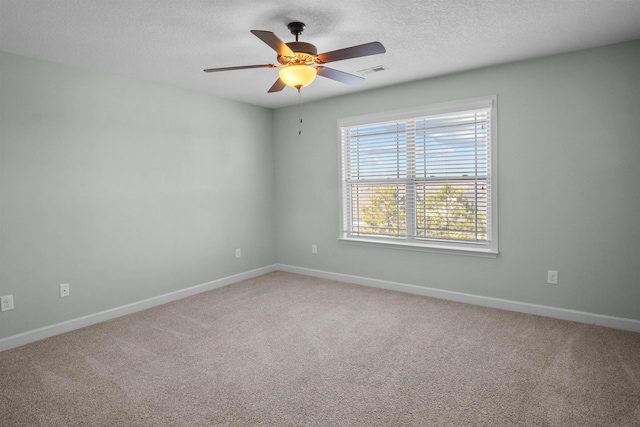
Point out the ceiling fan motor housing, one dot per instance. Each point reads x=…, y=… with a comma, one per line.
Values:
x=306, y=54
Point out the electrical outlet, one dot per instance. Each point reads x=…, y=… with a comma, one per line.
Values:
x=314, y=249
x=64, y=290
x=552, y=277
x=238, y=253
x=6, y=303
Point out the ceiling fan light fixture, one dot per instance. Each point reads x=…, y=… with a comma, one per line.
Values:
x=297, y=76
x=299, y=62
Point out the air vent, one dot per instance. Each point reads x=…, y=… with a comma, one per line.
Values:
x=372, y=70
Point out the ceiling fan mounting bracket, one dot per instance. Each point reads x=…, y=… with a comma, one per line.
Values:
x=296, y=28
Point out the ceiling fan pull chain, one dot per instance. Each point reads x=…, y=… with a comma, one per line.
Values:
x=299, y=112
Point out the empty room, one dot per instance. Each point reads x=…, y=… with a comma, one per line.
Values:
x=302, y=213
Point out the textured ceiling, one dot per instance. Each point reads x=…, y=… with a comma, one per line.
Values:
x=171, y=42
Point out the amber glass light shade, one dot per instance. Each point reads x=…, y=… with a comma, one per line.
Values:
x=297, y=76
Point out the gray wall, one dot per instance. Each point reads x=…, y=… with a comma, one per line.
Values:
x=130, y=190
x=124, y=189
x=569, y=177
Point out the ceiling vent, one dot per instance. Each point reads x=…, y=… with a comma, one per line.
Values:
x=372, y=70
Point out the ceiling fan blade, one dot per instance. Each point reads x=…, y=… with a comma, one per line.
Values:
x=274, y=42
x=366, y=49
x=339, y=76
x=277, y=86
x=242, y=67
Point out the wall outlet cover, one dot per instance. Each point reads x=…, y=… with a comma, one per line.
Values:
x=6, y=303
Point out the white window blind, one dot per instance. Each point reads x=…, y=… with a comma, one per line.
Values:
x=423, y=178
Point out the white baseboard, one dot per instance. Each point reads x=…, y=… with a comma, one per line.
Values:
x=521, y=307
x=91, y=319
x=540, y=310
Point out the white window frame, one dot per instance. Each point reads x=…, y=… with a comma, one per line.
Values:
x=489, y=248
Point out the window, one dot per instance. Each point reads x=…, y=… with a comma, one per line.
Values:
x=423, y=178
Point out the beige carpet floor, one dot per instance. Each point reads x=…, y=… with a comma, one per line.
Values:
x=290, y=350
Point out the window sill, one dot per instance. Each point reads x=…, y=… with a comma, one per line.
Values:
x=434, y=248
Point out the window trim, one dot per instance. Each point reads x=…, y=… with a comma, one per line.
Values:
x=489, y=249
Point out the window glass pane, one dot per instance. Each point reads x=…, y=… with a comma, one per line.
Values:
x=452, y=145
x=378, y=210
x=378, y=151
x=452, y=211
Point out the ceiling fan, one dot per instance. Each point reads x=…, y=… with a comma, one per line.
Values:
x=299, y=62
